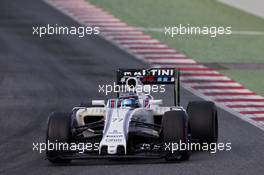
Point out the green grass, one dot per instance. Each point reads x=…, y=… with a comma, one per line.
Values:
x=231, y=48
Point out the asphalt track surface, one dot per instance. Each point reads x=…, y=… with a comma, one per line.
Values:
x=40, y=75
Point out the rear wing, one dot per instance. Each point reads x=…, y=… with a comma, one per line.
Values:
x=153, y=76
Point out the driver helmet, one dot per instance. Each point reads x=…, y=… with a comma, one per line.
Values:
x=130, y=102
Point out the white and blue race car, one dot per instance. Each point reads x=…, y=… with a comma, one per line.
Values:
x=133, y=125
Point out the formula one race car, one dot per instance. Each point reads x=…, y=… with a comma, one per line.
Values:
x=133, y=125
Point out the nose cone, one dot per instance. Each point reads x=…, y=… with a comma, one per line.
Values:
x=115, y=133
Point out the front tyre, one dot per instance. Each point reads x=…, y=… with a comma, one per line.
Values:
x=58, y=131
x=175, y=131
x=203, y=121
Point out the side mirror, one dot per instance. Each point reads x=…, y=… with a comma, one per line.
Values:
x=156, y=102
x=100, y=103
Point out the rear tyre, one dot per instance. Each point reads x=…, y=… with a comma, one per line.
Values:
x=203, y=121
x=175, y=131
x=59, y=131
